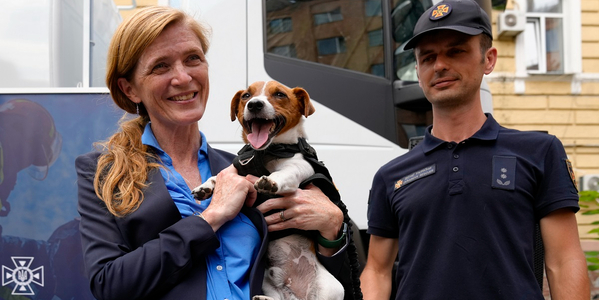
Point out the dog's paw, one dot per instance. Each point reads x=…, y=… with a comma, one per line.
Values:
x=205, y=190
x=262, y=298
x=266, y=185
x=201, y=192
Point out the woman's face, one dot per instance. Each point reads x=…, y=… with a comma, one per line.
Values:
x=171, y=79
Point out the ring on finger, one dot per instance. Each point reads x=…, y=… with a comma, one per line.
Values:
x=282, y=216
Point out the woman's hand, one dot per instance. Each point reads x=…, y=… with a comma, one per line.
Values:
x=231, y=192
x=306, y=209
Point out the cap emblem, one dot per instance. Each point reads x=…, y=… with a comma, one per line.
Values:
x=441, y=11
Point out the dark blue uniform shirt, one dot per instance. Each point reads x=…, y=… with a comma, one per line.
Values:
x=465, y=212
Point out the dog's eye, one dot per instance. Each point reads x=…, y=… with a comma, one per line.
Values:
x=280, y=95
x=246, y=96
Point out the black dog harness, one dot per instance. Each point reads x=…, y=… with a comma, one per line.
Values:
x=251, y=161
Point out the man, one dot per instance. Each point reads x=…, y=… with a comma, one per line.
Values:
x=461, y=207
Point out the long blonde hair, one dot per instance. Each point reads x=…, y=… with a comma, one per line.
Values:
x=123, y=167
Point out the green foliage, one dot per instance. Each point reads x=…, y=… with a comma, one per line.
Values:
x=589, y=205
x=592, y=260
x=587, y=197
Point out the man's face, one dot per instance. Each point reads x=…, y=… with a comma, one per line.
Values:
x=450, y=67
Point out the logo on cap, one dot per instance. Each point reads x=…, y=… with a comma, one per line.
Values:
x=441, y=11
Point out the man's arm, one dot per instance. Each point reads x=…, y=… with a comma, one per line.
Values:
x=377, y=274
x=565, y=262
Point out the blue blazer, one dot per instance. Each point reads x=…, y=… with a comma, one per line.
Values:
x=153, y=253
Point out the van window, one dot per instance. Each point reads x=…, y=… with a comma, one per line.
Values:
x=344, y=33
x=404, y=15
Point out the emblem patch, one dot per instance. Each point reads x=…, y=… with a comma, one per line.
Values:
x=440, y=12
x=504, y=172
x=571, y=171
x=415, y=176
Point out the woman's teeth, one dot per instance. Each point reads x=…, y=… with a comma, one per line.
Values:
x=183, y=98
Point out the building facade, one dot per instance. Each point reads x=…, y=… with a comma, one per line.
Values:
x=547, y=79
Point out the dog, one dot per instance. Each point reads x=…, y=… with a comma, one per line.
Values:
x=272, y=116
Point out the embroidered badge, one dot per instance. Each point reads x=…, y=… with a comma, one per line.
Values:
x=415, y=176
x=398, y=184
x=571, y=171
x=440, y=12
x=504, y=172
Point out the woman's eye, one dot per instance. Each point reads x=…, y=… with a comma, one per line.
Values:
x=159, y=67
x=194, y=57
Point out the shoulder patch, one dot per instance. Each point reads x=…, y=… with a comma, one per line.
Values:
x=440, y=11
x=415, y=176
x=571, y=171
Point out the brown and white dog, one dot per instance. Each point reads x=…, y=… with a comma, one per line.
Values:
x=272, y=114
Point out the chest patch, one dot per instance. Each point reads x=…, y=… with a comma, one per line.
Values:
x=504, y=172
x=430, y=170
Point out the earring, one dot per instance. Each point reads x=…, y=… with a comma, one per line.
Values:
x=137, y=107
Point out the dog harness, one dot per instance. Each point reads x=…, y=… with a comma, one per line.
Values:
x=253, y=162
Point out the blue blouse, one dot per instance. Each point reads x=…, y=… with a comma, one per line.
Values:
x=229, y=265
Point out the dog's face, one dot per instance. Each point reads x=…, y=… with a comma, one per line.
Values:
x=267, y=110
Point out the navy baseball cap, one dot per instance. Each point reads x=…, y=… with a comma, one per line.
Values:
x=465, y=16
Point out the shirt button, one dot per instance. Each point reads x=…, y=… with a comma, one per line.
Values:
x=219, y=268
x=449, y=146
x=456, y=156
x=455, y=169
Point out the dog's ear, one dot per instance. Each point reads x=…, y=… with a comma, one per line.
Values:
x=235, y=104
x=304, y=99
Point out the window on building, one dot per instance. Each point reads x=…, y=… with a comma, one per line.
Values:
x=285, y=50
x=373, y=8
x=544, y=32
x=378, y=70
x=280, y=25
x=330, y=46
x=547, y=48
x=375, y=38
x=328, y=17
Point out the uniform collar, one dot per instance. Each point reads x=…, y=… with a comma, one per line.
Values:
x=487, y=132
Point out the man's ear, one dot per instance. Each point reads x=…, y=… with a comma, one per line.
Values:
x=127, y=89
x=490, y=60
x=417, y=75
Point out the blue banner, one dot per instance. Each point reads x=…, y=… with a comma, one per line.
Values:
x=40, y=137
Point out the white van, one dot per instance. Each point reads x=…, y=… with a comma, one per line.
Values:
x=347, y=54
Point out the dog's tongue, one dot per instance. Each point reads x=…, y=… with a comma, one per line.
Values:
x=259, y=134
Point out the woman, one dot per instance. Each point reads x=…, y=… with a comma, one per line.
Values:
x=143, y=235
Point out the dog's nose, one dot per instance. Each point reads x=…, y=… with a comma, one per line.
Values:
x=255, y=106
